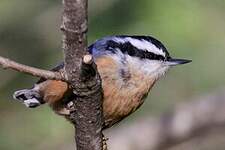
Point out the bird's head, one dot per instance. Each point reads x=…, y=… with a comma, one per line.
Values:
x=145, y=53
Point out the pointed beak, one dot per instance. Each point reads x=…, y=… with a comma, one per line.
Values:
x=174, y=61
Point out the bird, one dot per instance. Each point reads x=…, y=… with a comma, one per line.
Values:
x=129, y=66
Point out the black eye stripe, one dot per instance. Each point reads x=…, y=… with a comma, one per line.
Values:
x=151, y=39
x=128, y=48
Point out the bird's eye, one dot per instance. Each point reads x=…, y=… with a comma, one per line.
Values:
x=167, y=58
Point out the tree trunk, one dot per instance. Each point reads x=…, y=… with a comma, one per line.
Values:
x=83, y=77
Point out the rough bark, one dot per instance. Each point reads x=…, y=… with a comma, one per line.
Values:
x=83, y=77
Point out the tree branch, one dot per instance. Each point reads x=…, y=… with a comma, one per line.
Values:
x=87, y=115
x=80, y=72
x=9, y=64
x=186, y=121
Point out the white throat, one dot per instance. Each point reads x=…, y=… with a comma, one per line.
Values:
x=152, y=68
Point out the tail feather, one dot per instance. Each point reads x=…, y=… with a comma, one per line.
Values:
x=29, y=97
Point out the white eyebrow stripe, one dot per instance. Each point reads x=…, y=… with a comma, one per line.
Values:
x=141, y=44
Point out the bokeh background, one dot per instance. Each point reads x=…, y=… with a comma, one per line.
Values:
x=29, y=33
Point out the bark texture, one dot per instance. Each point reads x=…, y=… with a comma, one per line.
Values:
x=83, y=77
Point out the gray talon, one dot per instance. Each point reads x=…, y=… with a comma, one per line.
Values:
x=32, y=103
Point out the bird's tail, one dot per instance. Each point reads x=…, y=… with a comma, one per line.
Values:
x=30, y=97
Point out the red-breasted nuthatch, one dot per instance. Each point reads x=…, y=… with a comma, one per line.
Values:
x=129, y=67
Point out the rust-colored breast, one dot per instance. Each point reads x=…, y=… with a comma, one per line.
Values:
x=121, y=97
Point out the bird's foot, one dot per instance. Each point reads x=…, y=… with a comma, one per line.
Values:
x=104, y=141
x=31, y=103
x=28, y=97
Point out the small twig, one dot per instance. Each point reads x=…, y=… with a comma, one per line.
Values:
x=88, y=68
x=9, y=64
x=88, y=59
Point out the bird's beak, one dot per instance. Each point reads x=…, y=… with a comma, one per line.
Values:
x=175, y=61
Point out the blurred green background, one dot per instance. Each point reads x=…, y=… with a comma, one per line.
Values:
x=29, y=33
